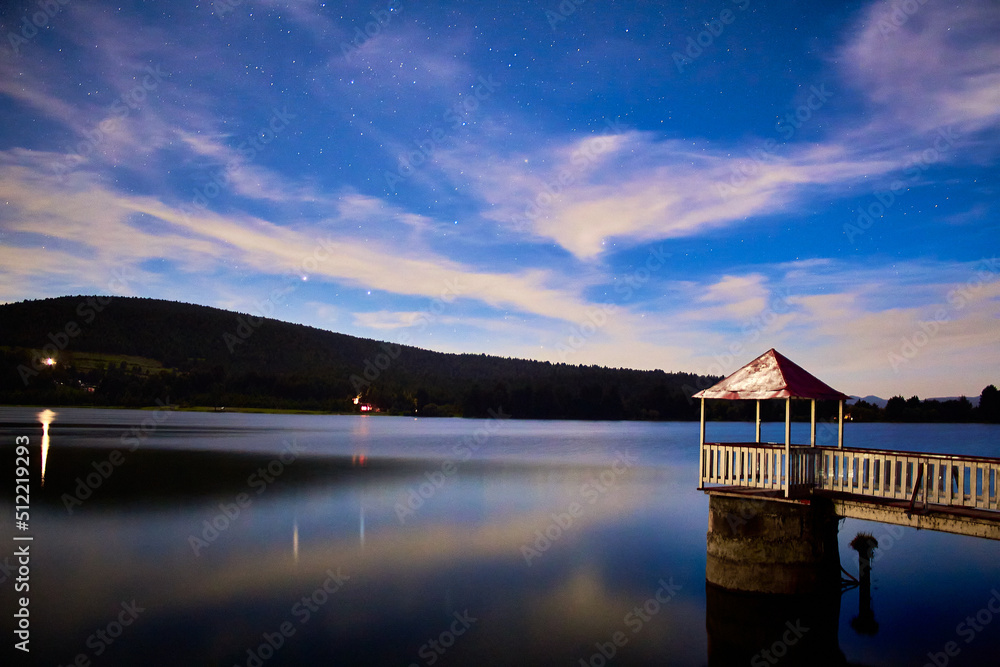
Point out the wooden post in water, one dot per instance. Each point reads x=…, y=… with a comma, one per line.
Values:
x=865, y=544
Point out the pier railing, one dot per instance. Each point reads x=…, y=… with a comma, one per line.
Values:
x=756, y=465
x=938, y=479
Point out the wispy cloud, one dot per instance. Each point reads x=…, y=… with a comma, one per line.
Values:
x=738, y=297
x=936, y=66
x=639, y=188
x=100, y=219
x=384, y=319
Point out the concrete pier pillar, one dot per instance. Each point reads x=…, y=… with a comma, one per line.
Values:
x=772, y=545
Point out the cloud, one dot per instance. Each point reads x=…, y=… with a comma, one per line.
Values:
x=937, y=66
x=384, y=319
x=739, y=297
x=940, y=68
x=634, y=187
x=23, y=82
x=86, y=213
x=539, y=208
x=27, y=274
x=839, y=319
x=836, y=317
x=237, y=172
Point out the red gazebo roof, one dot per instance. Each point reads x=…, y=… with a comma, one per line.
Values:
x=771, y=375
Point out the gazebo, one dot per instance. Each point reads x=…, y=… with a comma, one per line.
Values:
x=770, y=376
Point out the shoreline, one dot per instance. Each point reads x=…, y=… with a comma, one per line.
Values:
x=294, y=411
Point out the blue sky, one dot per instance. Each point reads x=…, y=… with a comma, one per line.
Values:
x=645, y=185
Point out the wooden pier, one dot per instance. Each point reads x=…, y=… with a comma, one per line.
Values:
x=955, y=494
x=951, y=493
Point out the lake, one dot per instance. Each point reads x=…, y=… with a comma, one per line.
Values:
x=179, y=538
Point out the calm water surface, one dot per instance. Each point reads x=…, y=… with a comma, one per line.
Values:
x=229, y=539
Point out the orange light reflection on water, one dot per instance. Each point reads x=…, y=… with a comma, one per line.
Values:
x=46, y=417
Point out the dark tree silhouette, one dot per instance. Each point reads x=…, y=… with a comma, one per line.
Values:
x=989, y=405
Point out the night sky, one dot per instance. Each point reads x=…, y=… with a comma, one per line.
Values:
x=647, y=185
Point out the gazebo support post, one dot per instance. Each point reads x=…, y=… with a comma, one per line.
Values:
x=812, y=425
x=701, y=446
x=840, y=426
x=788, y=446
x=758, y=421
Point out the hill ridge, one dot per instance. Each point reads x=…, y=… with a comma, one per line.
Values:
x=214, y=356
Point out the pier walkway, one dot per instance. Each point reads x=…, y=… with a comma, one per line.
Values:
x=956, y=494
x=951, y=493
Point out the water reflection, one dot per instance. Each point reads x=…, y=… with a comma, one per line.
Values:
x=46, y=417
x=865, y=623
x=460, y=550
x=361, y=525
x=756, y=629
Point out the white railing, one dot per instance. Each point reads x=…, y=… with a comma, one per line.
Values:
x=938, y=479
x=756, y=465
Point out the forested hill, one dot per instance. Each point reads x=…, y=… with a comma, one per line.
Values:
x=132, y=351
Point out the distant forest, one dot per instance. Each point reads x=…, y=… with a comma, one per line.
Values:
x=133, y=352
x=200, y=356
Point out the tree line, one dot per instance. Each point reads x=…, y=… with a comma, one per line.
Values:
x=201, y=356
